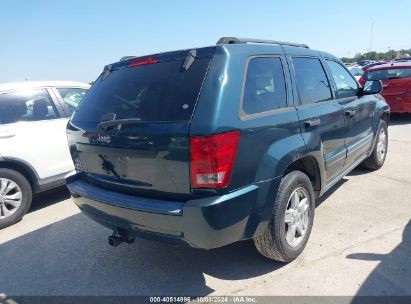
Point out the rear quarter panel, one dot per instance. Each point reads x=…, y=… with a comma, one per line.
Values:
x=268, y=143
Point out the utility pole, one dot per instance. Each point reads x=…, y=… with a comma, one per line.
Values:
x=372, y=29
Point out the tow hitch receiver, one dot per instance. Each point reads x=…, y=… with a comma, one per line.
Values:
x=119, y=237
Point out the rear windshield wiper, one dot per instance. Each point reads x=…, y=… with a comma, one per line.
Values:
x=104, y=125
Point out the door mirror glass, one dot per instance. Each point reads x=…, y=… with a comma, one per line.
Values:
x=372, y=87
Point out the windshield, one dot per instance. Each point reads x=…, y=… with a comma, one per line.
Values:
x=388, y=74
x=153, y=92
x=72, y=97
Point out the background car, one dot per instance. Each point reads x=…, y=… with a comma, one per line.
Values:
x=356, y=71
x=365, y=62
x=33, y=147
x=364, y=68
x=403, y=59
x=396, y=78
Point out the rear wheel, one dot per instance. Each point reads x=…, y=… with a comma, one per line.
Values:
x=379, y=152
x=15, y=197
x=292, y=219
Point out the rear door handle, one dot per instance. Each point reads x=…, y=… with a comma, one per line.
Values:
x=350, y=113
x=311, y=123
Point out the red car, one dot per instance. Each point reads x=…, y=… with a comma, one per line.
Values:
x=396, y=79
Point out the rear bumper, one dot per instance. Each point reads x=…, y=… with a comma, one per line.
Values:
x=202, y=223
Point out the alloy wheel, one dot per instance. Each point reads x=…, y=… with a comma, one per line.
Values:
x=382, y=144
x=297, y=217
x=10, y=197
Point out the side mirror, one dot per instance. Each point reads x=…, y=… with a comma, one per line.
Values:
x=371, y=87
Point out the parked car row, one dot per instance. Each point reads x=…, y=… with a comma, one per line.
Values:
x=366, y=67
x=396, y=78
x=366, y=64
x=403, y=59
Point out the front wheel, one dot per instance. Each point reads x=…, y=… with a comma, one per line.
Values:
x=379, y=152
x=290, y=226
x=15, y=197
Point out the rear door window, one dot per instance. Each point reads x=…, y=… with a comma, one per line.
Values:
x=264, y=88
x=312, y=83
x=26, y=105
x=154, y=92
x=345, y=83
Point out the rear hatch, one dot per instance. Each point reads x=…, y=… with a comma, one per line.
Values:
x=130, y=132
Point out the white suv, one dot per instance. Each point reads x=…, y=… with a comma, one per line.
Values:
x=34, y=154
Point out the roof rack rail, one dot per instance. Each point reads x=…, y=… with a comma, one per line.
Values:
x=235, y=40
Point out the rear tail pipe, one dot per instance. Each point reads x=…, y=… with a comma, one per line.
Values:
x=119, y=237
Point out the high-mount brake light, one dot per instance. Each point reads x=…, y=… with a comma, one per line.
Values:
x=142, y=61
x=212, y=159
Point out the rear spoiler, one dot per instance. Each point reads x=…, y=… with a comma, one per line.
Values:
x=205, y=52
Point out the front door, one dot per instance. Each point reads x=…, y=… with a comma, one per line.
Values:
x=357, y=111
x=321, y=117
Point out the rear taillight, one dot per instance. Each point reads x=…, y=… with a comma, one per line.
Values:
x=212, y=159
x=142, y=61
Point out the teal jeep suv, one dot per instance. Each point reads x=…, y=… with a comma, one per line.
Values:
x=213, y=145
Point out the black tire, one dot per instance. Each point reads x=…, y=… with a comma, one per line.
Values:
x=272, y=243
x=374, y=162
x=26, y=197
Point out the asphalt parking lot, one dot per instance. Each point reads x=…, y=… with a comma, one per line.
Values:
x=360, y=245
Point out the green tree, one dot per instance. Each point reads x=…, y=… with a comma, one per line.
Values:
x=390, y=54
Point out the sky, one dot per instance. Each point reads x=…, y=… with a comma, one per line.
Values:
x=74, y=40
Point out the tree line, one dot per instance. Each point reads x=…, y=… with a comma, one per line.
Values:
x=377, y=56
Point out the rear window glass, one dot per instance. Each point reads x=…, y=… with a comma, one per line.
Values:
x=153, y=92
x=388, y=74
x=264, y=86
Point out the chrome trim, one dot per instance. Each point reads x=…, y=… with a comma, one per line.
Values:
x=344, y=173
x=359, y=144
